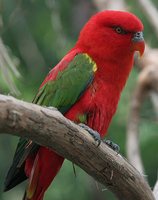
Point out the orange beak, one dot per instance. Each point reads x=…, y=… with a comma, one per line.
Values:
x=138, y=43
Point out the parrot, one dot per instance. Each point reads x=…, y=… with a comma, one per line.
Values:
x=85, y=86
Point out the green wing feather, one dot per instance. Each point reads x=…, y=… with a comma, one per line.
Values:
x=69, y=84
x=61, y=93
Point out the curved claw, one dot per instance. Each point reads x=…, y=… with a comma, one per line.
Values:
x=93, y=133
x=112, y=145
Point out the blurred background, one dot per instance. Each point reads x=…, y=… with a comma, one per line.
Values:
x=34, y=36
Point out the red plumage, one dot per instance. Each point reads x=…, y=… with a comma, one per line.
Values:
x=41, y=170
x=113, y=54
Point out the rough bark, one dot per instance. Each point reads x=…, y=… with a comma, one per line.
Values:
x=48, y=127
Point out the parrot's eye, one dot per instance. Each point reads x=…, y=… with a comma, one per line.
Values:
x=120, y=30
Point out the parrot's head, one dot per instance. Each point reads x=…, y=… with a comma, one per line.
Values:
x=111, y=39
x=114, y=33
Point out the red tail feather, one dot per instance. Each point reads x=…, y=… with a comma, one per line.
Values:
x=41, y=170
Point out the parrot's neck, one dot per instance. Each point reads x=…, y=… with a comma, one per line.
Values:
x=114, y=72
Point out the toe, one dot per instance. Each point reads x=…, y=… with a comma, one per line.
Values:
x=112, y=145
x=93, y=133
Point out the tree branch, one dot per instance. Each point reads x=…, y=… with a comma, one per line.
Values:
x=147, y=86
x=50, y=128
x=133, y=152
x=110, y=5
x=8, y=68
x=151, y=12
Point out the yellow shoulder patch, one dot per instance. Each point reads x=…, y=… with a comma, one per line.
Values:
x=91, y=62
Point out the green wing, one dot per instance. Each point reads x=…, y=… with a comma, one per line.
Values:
x=62, y=93
x=69, y=84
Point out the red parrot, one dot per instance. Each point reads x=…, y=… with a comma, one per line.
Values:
x=85, y=86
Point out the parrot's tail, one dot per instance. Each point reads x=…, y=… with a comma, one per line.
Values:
x=40, y=197
x=41, y=170
x=34, y=198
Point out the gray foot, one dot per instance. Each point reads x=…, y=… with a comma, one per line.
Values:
x=112, y=145
x=93, y=133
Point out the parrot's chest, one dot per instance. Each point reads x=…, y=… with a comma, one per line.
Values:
x=95, y=107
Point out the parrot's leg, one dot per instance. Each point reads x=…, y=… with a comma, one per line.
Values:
x=112, y=145
x=93, y=133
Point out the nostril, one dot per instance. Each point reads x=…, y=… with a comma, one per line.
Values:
x=138, y=36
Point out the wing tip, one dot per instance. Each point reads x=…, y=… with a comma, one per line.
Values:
x=12, y=181
x=6, y=187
